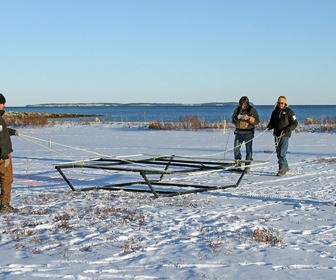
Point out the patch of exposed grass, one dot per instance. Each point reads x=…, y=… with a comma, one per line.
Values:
x=196, y=123
x=187, y=123
x=25, y=120
x=327, y=160
x=265, y=235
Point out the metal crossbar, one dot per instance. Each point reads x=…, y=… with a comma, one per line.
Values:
x=159, y=166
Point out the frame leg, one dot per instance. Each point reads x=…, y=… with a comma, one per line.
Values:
x=65, y=178
x=143, y=174
x=166, y=168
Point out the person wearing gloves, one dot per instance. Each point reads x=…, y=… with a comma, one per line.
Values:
x=245, y=118
x=6, y=167
x=283, y=122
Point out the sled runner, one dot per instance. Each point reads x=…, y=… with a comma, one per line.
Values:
x=156, y=173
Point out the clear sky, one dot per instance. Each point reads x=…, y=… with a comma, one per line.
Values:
x=162, y=51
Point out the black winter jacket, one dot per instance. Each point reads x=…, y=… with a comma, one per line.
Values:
x=5, y=141
x=282, y=121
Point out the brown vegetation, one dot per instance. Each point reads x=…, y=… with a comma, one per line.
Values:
x=36, y=119
x=266, y=235
x=189, y=122
x=195, y=123
x=25, y=119
x=315, y=125
x=186, y=123
x=328, y=160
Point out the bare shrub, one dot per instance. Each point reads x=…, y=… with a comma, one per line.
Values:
x=191, y=122
x=132, y=244
x=24, y=120
x=156, y=125
x=265, y=235
x=327, y=160
x=188, y=122
x=329, y=121
x=17, y=119
x=36, y=251
x=311, y=121
x=318, y=125
x=216, y=245
x=63, y=222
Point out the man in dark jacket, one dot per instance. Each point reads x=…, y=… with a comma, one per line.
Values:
x=245, y=118
x=6, y=168
x=283, y=122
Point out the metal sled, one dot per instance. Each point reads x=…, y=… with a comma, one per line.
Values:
x=156, y=172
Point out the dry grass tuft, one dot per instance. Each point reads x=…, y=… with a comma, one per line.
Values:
x=327, y=160
x=17, y=119
x=187, y=123
x=24, y=120
x=216, y=245
x=266, y=235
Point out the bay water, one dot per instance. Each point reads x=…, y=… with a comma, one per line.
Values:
x=168, y=113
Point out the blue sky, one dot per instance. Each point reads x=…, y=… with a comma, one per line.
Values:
x=181, y=51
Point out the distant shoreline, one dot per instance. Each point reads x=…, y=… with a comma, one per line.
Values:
x=209, y=104
x=155, y=111
x=130, y=104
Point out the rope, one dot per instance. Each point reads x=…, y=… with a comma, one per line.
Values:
x=249, y=140
x=31, y=139
x=39, y=144
x=278, y=139
x=35, y=141
x=276, y=144
x=228, y=150
x=227, y=141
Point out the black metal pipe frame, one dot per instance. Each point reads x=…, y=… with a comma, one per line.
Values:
x=161, y=161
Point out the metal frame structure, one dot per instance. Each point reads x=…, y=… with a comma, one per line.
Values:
x=158, y=167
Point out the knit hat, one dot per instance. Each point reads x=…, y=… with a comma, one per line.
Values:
x=281, y=99
x=2, y=99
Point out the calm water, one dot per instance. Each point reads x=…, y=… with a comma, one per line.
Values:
x=172, y=113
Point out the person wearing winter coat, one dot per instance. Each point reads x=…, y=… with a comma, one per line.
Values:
x=6, y=167
x=245, y=117
x=283, y=121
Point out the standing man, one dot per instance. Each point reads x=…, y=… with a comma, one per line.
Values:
x=283, y=122
x=6, y=168
x=245, y=118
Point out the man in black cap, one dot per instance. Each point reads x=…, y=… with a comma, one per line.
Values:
x=6, y=167
x=245, y=117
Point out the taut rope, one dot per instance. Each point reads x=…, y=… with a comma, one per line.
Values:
x=38, y=141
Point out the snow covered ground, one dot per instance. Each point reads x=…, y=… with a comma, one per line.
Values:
x=267, y=228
